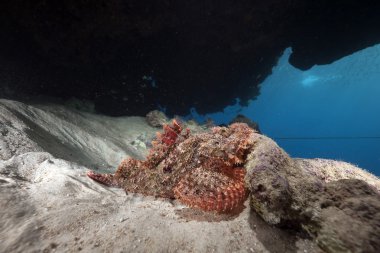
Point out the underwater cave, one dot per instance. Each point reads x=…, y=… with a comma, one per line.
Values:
x=191, y=57
x=190, y=126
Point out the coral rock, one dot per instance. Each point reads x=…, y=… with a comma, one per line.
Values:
x=156, y=118
x=326, y=199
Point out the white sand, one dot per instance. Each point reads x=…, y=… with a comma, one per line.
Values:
x=48, y=204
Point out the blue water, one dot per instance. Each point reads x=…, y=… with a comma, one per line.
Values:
x=330, y=111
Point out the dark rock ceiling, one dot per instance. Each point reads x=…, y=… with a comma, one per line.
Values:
x=200, y=53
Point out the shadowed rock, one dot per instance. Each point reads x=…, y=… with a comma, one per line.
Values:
x=336, y=208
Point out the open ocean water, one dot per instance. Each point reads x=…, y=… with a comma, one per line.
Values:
x=330, y=111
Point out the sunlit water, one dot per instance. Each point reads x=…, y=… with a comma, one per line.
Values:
x=330, y=111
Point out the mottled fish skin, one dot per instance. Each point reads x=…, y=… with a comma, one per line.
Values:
x=204, y=171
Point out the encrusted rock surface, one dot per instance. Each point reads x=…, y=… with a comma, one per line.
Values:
x=248, y=121
x=156, y=118
x=346, y=217
x=337, y=208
